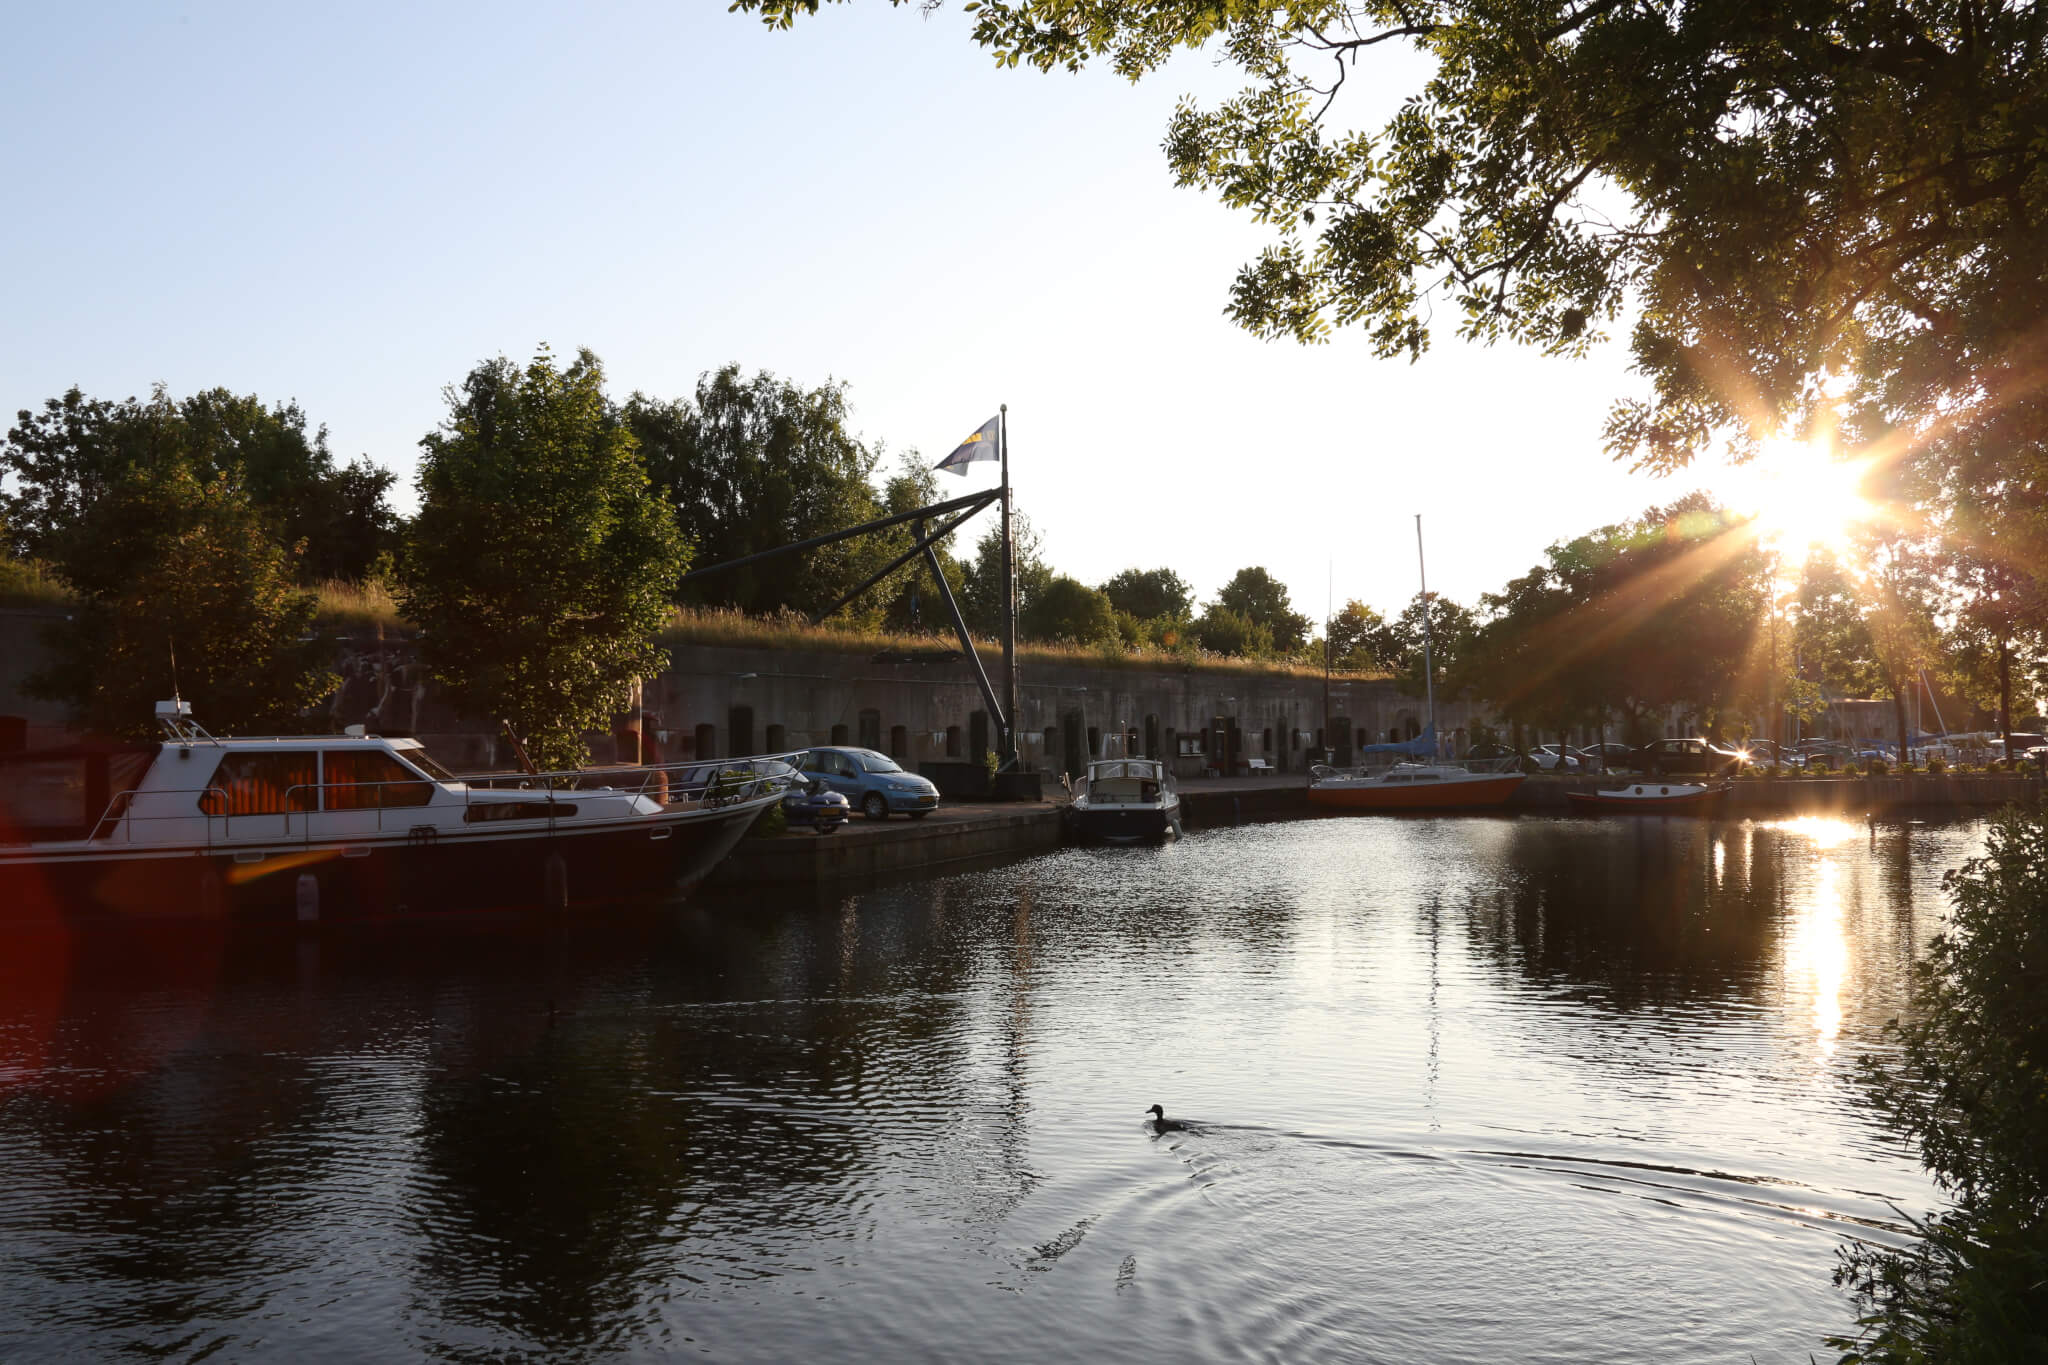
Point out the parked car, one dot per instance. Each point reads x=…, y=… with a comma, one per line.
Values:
x=1555, y=758
x=875, y=783
x=813, y=804
x=1697, y=757
x=1490, y=752
x=1823, y=755
x=1765, y=753
x=1610, y=756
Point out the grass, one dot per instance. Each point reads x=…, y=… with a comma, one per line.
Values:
x=788, y=630
x=27, y=583
x=350, y=604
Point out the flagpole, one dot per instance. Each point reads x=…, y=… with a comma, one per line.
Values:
x=1009, y=737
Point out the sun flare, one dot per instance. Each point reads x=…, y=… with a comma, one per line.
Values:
x=1804, y=497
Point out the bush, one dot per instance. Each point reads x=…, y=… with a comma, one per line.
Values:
x=1966, y=1082
x=1936, y=763
x=769, y=823
x=1878, y=767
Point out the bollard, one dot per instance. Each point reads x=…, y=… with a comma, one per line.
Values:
x=555, y=882
x=308, y=898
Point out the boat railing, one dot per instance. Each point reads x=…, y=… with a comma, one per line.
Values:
x=709, y=784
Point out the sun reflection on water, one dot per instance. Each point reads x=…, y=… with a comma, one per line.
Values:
x=1817, y=950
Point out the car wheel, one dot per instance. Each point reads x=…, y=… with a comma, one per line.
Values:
x=875, y=806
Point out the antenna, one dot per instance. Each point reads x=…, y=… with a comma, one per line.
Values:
x=173, y=638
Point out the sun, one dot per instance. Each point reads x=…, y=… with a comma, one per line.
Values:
x=1804, y=497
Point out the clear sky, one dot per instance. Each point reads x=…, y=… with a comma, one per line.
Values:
x=351, y=207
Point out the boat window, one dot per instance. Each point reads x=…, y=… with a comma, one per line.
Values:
x=1399, y=777
x=483, y=812
x=418, y=758
x=364, y=779
x=268, y=783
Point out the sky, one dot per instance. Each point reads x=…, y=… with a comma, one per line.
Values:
x=351, y=207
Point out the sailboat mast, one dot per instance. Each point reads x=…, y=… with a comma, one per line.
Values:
x=1428, y=672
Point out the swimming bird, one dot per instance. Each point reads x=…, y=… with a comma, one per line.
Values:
x=1163, y=1124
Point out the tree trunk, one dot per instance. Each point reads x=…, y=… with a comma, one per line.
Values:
x=1899, y=714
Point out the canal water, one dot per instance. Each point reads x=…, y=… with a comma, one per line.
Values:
x=1456, y=1089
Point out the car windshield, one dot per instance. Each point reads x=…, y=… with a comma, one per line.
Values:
x=874, y=762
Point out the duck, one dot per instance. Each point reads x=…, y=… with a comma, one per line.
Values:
x=1163, y=1124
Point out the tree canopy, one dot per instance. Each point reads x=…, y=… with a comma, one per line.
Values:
x=1262, y=599
x=750, y=463
x=1774, y=192
x=181, y=587
x=1151, y=594
x=540, y=565
x=75, y=450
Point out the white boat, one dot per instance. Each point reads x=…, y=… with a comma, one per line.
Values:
x=309, y=827
x=1125, y=800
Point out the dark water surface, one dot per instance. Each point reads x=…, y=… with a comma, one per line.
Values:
x=1462, y=1089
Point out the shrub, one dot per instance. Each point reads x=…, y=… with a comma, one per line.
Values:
x=1965, y=1082
x=1936, y=763
x=1878, y=767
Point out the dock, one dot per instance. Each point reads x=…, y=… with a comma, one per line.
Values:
x=864, y=852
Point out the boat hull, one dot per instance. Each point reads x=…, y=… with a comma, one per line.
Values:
x=658, y=858
x=1114, y=825
x=1472, y=793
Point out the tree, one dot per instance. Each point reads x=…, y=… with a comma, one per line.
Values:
x=1223, y=631
x=182, y=590
x=1632, y=619
x=76, y=450
x=1151, y=594
x=1070, y=611
x=1398, y=645
x=1262, y=599
x=1774, y=192
x=982, y=602
x=753, y=463
x=540, y=564
x=1357, y=635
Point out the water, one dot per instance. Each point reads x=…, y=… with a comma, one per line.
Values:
x=1462, y=1090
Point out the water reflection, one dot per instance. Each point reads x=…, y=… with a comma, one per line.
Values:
x=1611, y=1056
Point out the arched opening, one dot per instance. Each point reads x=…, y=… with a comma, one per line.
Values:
x=952, y=741
x=1151, y=736
x=739, y=729
x=839, y=734
x=1266, y=744
x=899, y=743
x=1414, y=730
x=778, y=739
x=706, y=745
x=1340, y=734
x=1073, y=734
x=871, y=729
x=977, y=735
x=1094, y=741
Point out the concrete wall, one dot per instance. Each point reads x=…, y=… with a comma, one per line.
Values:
x=719, y=701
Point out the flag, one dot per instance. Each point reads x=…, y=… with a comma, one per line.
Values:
x=980, y=446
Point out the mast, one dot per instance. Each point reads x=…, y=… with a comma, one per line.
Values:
x=1428, y=671
x=1008, y=757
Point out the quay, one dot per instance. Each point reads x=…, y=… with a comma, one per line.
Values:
x=961, y=832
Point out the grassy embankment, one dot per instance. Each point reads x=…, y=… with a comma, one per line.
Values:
x=365, y=605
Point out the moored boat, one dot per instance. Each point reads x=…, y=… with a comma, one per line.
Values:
x=1126, y=801
x=349, y=826
x=1650, y=798
x=1410, y=786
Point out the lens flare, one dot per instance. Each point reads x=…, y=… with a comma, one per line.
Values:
x=1803, y=496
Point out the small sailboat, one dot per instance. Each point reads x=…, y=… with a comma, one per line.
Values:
x=1651, y=798
x=1431, y=784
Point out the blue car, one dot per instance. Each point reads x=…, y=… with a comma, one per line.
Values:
x=875, y=783
x=812, y=804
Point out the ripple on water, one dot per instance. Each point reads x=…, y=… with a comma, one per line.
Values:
x=1460, y=1089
